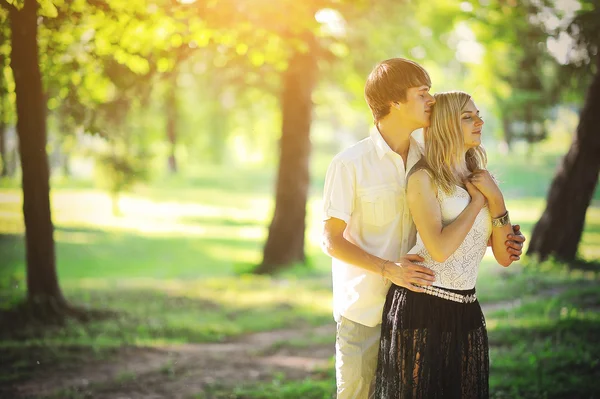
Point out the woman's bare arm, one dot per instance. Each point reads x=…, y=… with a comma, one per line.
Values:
x=440, y=241
x=487, y=185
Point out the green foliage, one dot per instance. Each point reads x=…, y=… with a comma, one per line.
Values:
x=117, y=174
x=517, y=69
x=321, y=387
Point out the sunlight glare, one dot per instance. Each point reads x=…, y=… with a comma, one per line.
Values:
x=468, y=49
x=332, y=22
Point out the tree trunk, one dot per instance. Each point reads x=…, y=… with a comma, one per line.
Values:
x=559, y=229
x=3, y=112
x=3, y=152
x=42, y=281
x=171, y=113
x=285, y=243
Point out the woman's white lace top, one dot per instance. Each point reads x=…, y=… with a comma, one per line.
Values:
x=460, y=270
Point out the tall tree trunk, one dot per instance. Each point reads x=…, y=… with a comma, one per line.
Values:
x=559, y=229
x=285, y=243
x=3, y=152
x=171, y=113
x=3, y=112
x=42, y=281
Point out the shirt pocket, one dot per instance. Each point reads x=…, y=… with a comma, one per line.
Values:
x=379, y=205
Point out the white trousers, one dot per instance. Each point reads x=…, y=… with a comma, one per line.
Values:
x=356, y=352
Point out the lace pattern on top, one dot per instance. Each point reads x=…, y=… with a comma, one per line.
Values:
x=460, y=270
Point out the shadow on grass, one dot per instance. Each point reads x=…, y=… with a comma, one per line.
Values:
x=548, y=348
x=221, y=222
x=139, y=318
x=558, y=360
x=84, y=252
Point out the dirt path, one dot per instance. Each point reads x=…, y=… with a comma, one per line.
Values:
x=182, y=371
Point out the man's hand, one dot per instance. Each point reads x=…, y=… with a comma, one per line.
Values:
x=405, y=273
x=514, y=244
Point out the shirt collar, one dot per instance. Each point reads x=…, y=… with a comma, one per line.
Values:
x=382, y=148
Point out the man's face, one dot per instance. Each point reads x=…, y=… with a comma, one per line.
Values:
x=417, y=108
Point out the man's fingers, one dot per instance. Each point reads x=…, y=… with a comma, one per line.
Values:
x=514, y=244
x=424, y=276
x=514, y=251
x=515, y=258
x=515, y=238
x=421, y=281
x=422, y=269
x=414, y=258
x=414, y=288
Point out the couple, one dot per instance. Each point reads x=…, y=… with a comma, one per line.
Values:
x=407, y=227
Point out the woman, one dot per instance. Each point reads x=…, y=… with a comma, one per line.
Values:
x=434, y=343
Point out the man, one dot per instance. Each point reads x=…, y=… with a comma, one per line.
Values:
x=368, y=228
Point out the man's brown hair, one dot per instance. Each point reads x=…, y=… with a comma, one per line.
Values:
x=388, y=82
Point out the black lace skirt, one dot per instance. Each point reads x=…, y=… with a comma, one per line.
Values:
x=432, y=348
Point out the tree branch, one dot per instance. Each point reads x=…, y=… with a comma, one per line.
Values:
x=7, y=6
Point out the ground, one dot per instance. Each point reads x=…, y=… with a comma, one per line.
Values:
x=182, y=371
x=197, y=370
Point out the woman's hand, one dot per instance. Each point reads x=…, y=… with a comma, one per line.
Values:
x=485, y=183
x=476, y=195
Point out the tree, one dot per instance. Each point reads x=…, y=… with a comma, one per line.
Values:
x=560, y=227
x=42, y=280
x=7, y=160
x=525, y=87
x=285, y=243
x=320, y=46
x=280, y=37
x=43, y=290
x=171, y=108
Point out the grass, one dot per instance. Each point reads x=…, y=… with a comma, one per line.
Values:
x=544, y=347
x=548, y=348
x=172, y=268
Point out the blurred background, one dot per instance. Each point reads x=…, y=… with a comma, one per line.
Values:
x=162, y=165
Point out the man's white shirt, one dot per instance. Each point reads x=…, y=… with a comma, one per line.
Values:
x=365, y=186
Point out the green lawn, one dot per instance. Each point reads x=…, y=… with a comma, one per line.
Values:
x=172, y=268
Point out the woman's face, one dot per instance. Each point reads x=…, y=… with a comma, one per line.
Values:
x=471, y=124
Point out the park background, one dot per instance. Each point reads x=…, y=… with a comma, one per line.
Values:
x=165, y=162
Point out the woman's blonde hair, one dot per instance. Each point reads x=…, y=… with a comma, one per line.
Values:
x=444, y=142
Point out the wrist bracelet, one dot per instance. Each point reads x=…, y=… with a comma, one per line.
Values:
x=501, y=221
x=382, y=267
